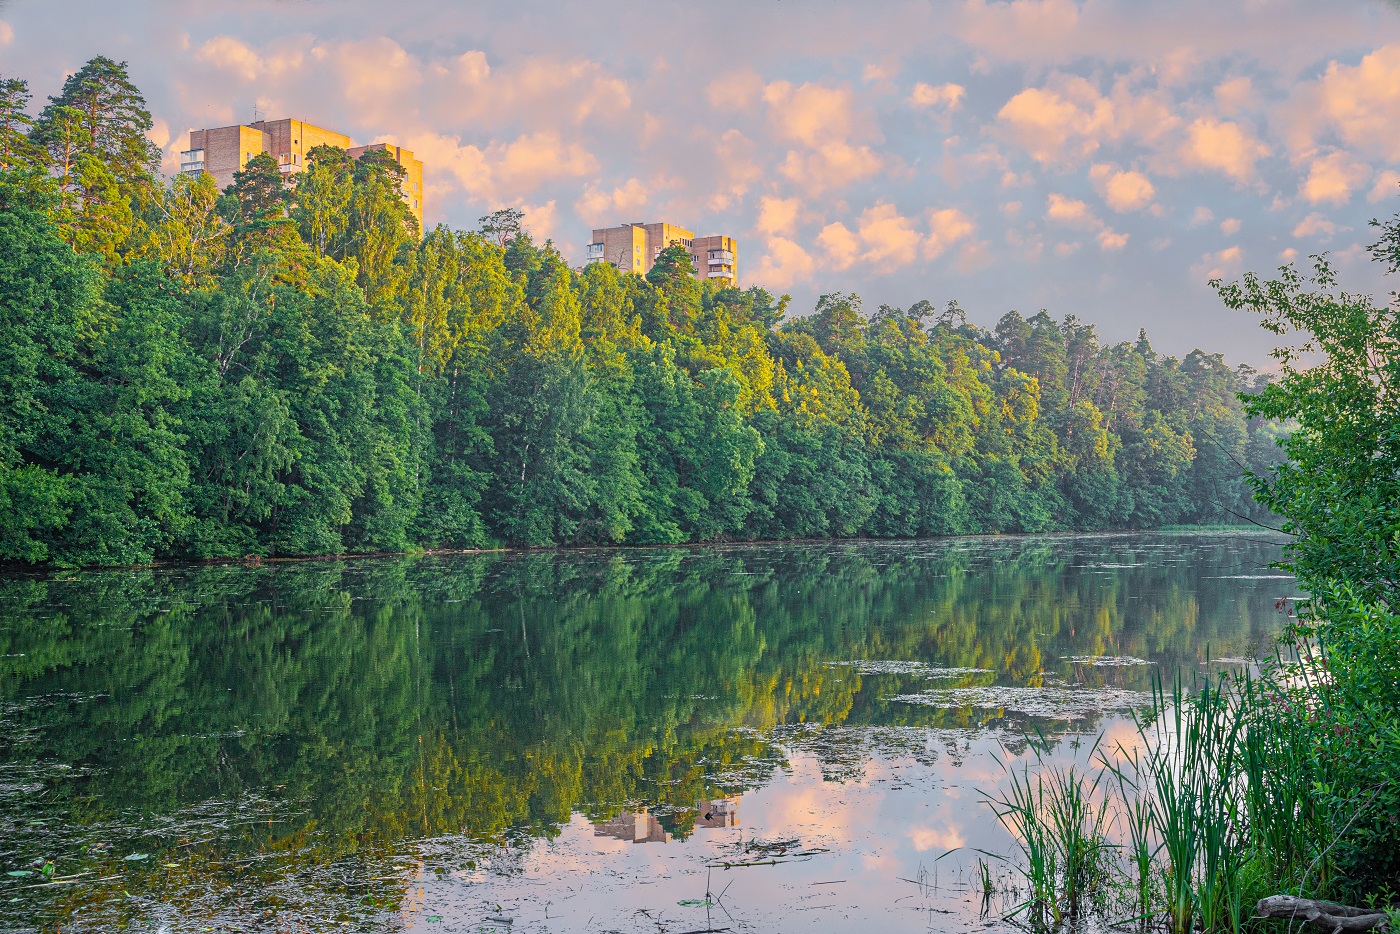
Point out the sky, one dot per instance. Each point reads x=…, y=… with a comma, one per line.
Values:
x=1101, y=158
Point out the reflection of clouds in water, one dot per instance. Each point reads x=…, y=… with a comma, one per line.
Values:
x=940, y=839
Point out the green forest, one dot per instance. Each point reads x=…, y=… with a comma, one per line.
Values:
x=273, y=370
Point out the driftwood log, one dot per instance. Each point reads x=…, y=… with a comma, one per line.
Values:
x=1329, y=916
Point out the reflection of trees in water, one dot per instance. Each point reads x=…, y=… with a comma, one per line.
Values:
x=400, y=699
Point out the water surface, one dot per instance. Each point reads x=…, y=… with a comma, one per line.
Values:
x=751, y=738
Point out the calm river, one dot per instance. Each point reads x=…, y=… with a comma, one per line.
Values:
x=748, y=738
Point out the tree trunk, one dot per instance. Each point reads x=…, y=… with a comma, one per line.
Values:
x=1329, y=916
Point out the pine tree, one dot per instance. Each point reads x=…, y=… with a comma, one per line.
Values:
x=16, y=151
x=113, y=115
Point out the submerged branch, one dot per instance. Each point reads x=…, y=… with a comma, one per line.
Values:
x=1329, y=916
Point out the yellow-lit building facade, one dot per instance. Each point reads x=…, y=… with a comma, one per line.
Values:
x=222, y=151
x=634, y=248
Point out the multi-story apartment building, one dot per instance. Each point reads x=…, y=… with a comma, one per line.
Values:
x=221, y=151
x=634, y=247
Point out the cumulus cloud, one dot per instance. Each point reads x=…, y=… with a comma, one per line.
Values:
x=824, y=121
x=606, y=207
x=1234, y=95
x=7, y=33
x=236, y=58
x=505, y=172
x=542, y=220
x=944, y=97
x=738, y=89
x=1222, y=146
x=1070, y=212
x=1069, y=119
x=1111, y=241
x=1315, y=225
x=738, y=157
x=1221, y=264
x=777, y=215
x=1122, y=190
x=887, y=240
x=1019, y=29
x=1230, y=226
x=947, y=227
x=1076, y=214
x=1356, y=102
x=784, y=263
x=1057, y=125
x=1384, y=187
x=833, y=165
x=1333, y=177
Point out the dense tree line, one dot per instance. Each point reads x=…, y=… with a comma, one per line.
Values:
x=300, y=370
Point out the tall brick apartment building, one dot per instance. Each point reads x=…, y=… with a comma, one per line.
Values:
x=634, y=248
x=221, y=151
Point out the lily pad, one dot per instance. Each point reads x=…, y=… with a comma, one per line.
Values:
x=136, y=857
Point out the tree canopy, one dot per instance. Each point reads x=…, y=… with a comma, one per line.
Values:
x=282, y=369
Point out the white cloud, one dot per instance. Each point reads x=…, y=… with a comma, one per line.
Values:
x=1070, y=212
x=784, y=264
x=1385, y=186
x=1230, y=226
x=542, y=220
x=1060, y=124
x=1122, y=190
x=947, y=227
x=1218, y=265
x=738, y=155
x=1333, y=177
x=504, y=173
x=1202, y=215
x=1019, y=29
x=7, y=33
x=1222, y=146
x=1315, y=225
x=778, y=215
x=607, y=207
x=1110, y=241
x=1234, y=95
x=825, y=121
x=887, y=240
x=1073, y=213
x=946, y=97
x=738, y=89
x=1356, y=102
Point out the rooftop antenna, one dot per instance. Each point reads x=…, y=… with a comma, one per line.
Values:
x=257, y=114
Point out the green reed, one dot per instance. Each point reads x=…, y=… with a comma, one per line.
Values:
x=1216, y=807
x=1059, y=818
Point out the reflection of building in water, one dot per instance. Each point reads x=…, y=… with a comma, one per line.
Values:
x=721, y=812
x=635, y=826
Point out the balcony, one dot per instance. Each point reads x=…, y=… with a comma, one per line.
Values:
x=191, y=161
x=721, y=274
x=191, y=168
x=595, y=252
x=721, y=257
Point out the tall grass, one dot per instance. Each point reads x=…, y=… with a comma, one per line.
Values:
x=1213, y=807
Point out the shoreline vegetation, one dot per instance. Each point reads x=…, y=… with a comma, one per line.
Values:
x=1275, y=794
x=282, y=371
x=17, y=567
x=194, y=374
